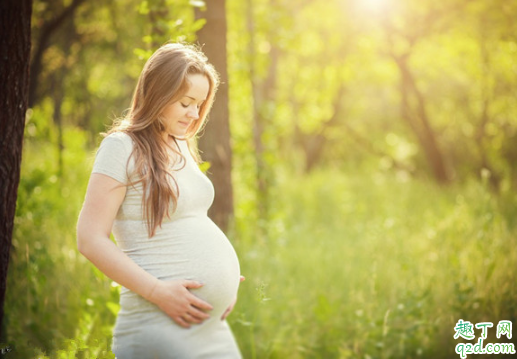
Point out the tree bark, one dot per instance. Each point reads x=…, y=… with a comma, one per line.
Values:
x=215, y=142
x=15, y=43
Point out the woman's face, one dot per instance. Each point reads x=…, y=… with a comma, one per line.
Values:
x=179, y=115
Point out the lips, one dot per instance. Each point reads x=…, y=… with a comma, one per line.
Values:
x=185, y=124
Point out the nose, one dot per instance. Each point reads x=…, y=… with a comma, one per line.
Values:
x=194, y=113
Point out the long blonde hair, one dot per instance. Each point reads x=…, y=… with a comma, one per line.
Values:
x=163, y=80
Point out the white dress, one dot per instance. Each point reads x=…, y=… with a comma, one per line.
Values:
x=187, y=246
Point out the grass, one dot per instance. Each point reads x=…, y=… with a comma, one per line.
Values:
x=373, y=267
x=355, y=264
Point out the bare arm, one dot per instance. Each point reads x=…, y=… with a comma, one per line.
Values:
x=103, y=199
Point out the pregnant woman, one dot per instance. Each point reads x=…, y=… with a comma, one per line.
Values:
x=178, y=271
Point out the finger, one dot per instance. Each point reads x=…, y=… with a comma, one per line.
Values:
x=199, y=303
x=243, y=278
x=225, y=314
x=192, y=284
x=194, y=312
x=191, y=319
x=181, y=322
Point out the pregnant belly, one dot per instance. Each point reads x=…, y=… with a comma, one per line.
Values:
x=192, y=248
x=214, y=264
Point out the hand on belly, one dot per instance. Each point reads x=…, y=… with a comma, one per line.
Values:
x=219, y=291
x=174, y=298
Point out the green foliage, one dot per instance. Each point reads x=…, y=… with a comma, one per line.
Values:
x=54, y=296
x=460, y=53
x=93, y=60
x=337, y=80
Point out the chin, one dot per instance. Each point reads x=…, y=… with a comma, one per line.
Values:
x=178, y=134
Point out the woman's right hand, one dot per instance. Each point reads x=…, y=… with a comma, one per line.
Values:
x=174, y=298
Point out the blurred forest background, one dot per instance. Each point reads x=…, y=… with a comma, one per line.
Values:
x=374, y=152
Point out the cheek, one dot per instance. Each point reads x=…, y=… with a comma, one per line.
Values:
x=172, y=112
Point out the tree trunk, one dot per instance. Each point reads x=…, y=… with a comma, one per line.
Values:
x=263, y=92
x=258, y=120
x=485, y=118
x=58, y=121
x=215, y=142
x=418, y=120
x=15, y=43
x=313, y=144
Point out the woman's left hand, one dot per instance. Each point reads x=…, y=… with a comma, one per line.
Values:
x=230, y=308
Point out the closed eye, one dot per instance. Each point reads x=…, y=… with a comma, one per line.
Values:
x=194, y=100
x=186, y=106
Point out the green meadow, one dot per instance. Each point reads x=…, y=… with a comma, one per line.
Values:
x=352, y=262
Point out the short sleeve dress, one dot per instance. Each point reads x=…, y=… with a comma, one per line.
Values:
x=189, y=245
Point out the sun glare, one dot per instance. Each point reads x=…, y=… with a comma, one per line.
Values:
x=374, y=5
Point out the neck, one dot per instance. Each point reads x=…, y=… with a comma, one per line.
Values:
x=171, y=139
x=168, y=138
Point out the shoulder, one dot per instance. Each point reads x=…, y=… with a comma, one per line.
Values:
x=119, y=137
x=113, y=155
x=117, y=143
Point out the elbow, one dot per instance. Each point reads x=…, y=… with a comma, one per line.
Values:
x=82, y=240
x=81, y=245
x=89, y=240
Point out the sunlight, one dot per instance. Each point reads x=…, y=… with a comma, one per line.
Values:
x=374, y=5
